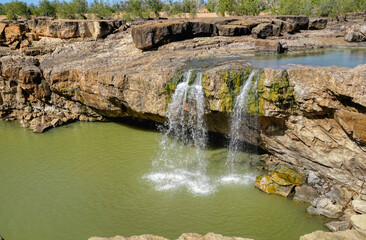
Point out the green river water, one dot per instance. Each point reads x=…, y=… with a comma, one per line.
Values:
x=87, y=179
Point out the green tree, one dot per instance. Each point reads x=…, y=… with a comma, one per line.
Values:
x=137, y=9
x=15, y=9
x=248, y=7
x=291, y=7
x=190, y=6
x=226, y=6
x=174, y=8
x=155, y=6
x=101, y=9
x=46, y=8
x=211, y=5
x=2, y=9
x=65, y=10
x=80, y=7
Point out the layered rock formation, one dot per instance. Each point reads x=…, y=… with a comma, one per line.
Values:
x=66, y=29
x=307, y=115
x=153, y=35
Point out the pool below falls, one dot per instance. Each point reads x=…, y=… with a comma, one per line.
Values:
x=87, y=179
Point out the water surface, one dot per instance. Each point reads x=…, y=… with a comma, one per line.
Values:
x=323, y=57
x=86, y=179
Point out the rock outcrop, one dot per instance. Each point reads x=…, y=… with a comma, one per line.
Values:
x=153, y=35
x=349, y=234
x=317, y=23
x=184, y=236
x=356, y=33
x=66, y=29
x=306, y=115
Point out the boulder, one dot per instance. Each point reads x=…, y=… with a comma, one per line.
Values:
x=359, y=206
x=233, y=30
x=317, y=23
x=305, y=193
x=268, y=46
x=153, y=35
x=343, y=235
x=267, y=185
x=14, y=33
x=336, y=226
x=324, y=206
x=285, y=26
x=355, y=37
x=301, y=22
x=264, y=30
x=359, y=223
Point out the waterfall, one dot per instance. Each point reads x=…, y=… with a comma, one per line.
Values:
x=241, y=124
x=181, y=162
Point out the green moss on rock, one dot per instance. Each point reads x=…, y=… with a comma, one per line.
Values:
x=280, y=93
x=233, y=81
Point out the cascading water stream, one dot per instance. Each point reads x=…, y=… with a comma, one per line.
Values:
x=181, y=162
x=240, y=124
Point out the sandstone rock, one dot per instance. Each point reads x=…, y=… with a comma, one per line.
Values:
x=359, y=206
x=268, y=46
x=32, y=36
x=302, y=22
x=249, y=24
x=353, y=123
x=2, y=33
x=305, y=193
x=233, y=30
x=184, y=236
x=264, y=30
x=317, y=23
x=355, y=37
x=24, y=43
x=266, y=184
x=324, y=206
x=336, y=226
x=343, y=235
x=289, y=175
x=153, y=35
x=67, y=29
x=14, y=33
x=313, y=178
x=359, y=223
x=141, y=237
x=14, y=45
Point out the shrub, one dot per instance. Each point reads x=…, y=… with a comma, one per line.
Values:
x=16, y=9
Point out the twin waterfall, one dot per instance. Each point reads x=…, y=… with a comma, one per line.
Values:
x=182, y=160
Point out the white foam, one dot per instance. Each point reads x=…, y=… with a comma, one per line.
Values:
x=194, y=182
x=243, y=179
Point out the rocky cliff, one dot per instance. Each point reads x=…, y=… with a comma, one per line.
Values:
x=311, y=118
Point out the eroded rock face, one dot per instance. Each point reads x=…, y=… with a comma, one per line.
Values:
x=317, y=23
x=66, y=29
x=264, y=30
x=356, y=33
x=152, y=35
x=301, y=22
